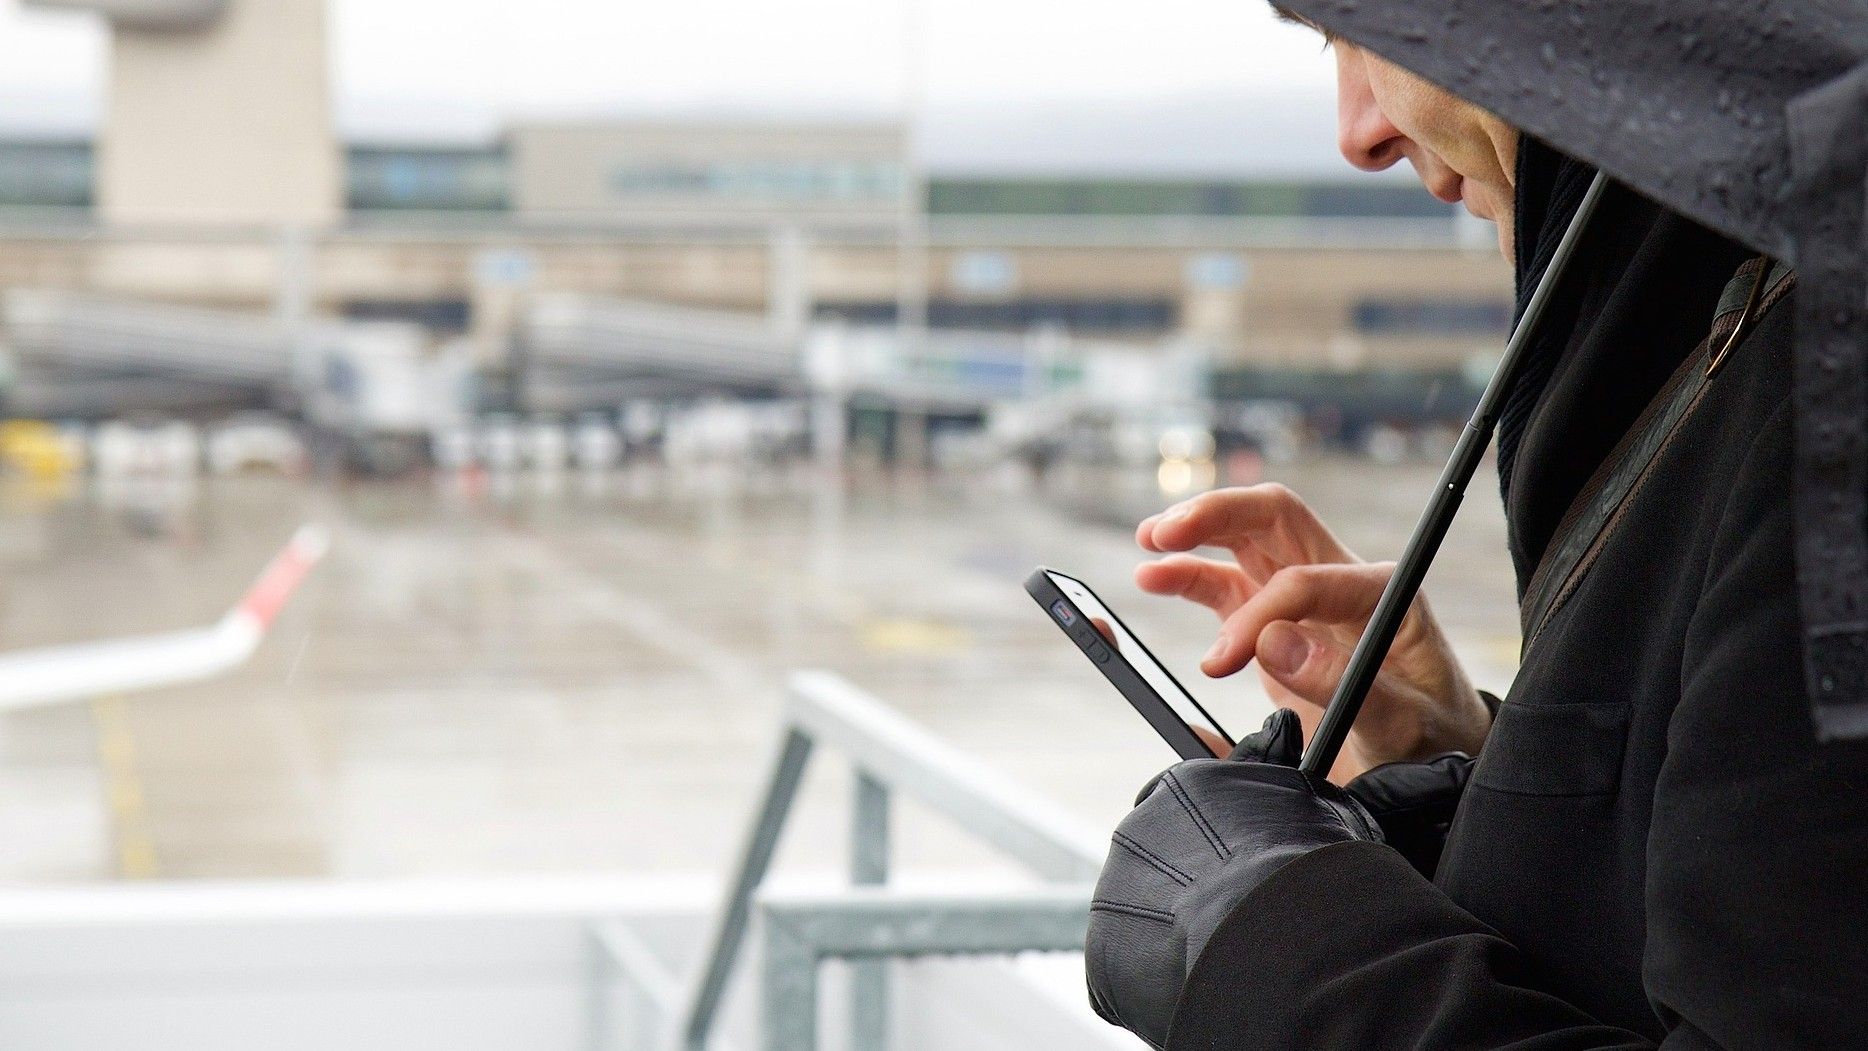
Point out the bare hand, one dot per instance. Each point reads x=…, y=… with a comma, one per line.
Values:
x=1297, y=600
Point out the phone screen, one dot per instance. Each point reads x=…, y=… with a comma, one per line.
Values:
x=1133, y=653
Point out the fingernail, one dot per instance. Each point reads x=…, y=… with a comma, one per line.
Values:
x=1284, y=653
x=1219, y=650
x=1175, y=514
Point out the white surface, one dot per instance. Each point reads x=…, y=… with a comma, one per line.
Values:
x=92, y=669
x=1036, y=1000
x=459, y=964
x=288, y=966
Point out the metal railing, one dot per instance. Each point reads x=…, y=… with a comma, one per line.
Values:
x=868, y=923
x=652, y=992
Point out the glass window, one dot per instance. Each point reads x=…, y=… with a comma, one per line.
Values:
x=1431, y=316
x=444, y=179
x=762, y=180
x=45, y=174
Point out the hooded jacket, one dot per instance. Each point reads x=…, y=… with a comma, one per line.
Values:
x=1654, y=850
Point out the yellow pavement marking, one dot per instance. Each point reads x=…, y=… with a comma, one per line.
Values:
x=906, y=635
x=123, y=789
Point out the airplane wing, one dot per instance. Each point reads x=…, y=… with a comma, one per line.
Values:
x=89, y=669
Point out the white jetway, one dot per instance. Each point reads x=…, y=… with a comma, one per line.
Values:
x=72, y=330
x=145, y=14
x=696, y=344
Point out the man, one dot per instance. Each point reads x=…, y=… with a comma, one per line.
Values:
x=1652, y=848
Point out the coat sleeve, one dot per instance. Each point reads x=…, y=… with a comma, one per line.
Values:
x=1756, y=892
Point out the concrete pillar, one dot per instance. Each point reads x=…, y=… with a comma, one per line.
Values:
x=911, y=436
x=826, y=366
x=221, y=121
x=502, y=278
x=788, y=280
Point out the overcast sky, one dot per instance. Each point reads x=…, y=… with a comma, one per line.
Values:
x=1176, y=84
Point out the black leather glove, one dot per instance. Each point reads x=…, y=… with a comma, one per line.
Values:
x=1202, y=836
x=1414, y=804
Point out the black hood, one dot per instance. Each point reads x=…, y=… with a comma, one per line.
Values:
x=1751, y=117
x=1638, y=299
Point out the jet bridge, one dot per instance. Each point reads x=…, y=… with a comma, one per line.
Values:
x=88, y=355
x=590, y=352
x=582, y=352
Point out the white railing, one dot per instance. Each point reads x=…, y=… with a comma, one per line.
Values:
x=869, y=922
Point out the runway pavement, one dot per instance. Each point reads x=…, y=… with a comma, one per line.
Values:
x=580, y=675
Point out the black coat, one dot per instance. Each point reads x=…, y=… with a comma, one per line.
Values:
x=1654, y=848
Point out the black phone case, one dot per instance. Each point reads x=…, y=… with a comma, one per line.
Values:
x=1166, y=722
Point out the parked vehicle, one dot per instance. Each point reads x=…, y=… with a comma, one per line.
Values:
x=255, y=441
x=37, y=449
x=146, y=447
x=595, y=444
x=498, y=442
x=452, y=447
x=546, y=446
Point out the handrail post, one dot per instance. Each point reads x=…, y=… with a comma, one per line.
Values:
x=788, y=988
x=756, y=858
x=597, y=1014
x=869, y=866
x=652, y=994
x=800, y=933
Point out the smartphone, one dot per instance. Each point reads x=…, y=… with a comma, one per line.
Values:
x=1125, y=662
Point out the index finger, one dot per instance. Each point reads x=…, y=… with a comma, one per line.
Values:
x=1268, y=519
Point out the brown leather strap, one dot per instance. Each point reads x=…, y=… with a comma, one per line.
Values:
x=1598, y=506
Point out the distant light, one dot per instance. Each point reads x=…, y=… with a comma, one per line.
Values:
x=1186, y=443
x=1176, y=445
x=985, y=272
x=505, y=267
x=1218, y=271
x=1175, y=477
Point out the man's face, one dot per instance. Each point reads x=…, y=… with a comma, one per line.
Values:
x=1460, y=152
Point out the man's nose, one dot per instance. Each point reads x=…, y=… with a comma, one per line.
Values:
x=1368, y=139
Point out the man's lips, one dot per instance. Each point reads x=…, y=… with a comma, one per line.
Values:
x=1450, y=189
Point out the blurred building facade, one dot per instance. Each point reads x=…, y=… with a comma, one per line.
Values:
x=1333, y=275
x=715, y=173
x=216, y=113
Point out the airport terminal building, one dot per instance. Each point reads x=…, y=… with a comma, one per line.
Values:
x=806, y=220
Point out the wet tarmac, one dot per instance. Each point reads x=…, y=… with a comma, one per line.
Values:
x=570, y=674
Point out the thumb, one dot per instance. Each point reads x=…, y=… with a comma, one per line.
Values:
x=1279, y=742
x=1305, y=662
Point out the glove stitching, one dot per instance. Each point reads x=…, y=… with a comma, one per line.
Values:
x=1199, y=820
x=1346, y=815
x=1141, y=911
x=1341, y=813
x=1318, y=787
x=1166, y=867
x=1337, y=813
